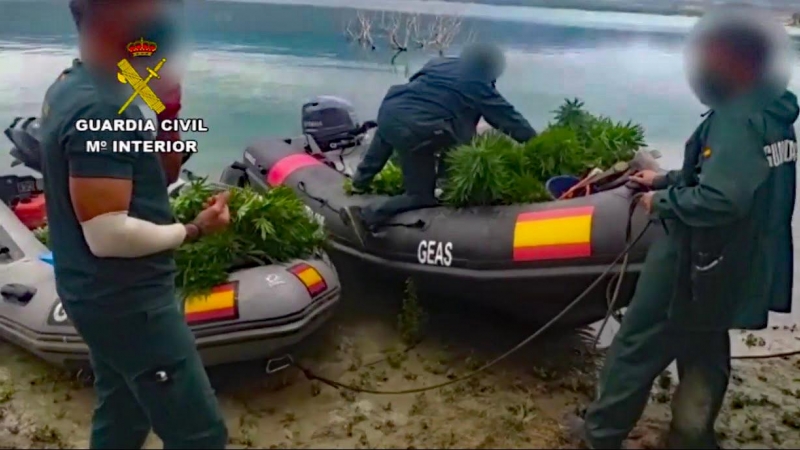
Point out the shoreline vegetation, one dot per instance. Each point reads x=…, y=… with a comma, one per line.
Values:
x=401, y=341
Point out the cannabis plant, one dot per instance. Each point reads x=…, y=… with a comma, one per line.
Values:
x=273, y=226
x=265, y=228
x=493, y=170
x=388, y=182
x=604, y=141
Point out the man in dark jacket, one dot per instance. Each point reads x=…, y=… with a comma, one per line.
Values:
x=726, y=260
x=435, y=111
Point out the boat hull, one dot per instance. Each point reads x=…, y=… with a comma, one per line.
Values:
x=527, y=261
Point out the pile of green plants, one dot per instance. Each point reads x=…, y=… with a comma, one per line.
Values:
x=265, y=228
x=388, y=182
x=494, y=170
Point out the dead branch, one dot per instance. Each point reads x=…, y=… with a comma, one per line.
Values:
x=393, y=27
x=359, y=30
x=442, y=32
x=404, y=32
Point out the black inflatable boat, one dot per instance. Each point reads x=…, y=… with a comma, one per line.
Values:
x=526, y=260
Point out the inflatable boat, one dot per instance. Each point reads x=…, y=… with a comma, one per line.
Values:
x=261, y=312
x=525, y=260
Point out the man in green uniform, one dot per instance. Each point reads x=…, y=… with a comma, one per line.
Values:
x=112, y=233
x=438, y=109
x=726, y=259
x=168, y=90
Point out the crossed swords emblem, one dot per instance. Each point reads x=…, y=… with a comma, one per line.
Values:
x=128, y=74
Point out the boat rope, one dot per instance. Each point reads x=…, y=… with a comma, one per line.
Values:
x=769, y=355
x=617, y=280
x=311, y=376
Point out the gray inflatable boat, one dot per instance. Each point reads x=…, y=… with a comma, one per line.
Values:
x=260, y=313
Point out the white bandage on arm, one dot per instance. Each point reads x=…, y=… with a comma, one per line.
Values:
x=117, y=235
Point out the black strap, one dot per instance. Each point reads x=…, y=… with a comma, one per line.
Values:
x=301, y=186
x=419, y=223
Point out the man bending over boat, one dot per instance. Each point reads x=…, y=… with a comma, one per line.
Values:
x=113, y=233
x=726, y=259
x=438, y=109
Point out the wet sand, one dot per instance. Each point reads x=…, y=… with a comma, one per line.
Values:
x=517, y=404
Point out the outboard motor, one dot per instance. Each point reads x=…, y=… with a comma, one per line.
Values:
x=24, y=134
x=331, y=122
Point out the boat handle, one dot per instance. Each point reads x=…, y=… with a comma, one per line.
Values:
x=16, y=292
x=278, y=364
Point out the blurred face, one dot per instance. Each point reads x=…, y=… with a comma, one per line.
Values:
x=116, y=23
x=715, y=73
x=718, y=69
x=119, y=22
x=499, y=67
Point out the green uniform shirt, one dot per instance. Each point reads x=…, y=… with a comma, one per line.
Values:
x=119, y=284
x=731, y=208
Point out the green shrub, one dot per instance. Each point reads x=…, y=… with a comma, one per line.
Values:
x=265, y=227
x=494, y=170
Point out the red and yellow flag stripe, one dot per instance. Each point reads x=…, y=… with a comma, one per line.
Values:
x=554, y=234
x=310, y=277
x=220, y=304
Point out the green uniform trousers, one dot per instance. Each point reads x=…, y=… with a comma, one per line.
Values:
x=647, y=342
x=148, y=374
x=419, y=166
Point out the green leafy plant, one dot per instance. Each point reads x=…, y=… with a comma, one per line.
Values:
x=265, y=228
x=388, y=182
x=42, y=235
x=494, y=170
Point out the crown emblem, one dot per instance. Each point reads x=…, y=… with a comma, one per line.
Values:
x=142, y=48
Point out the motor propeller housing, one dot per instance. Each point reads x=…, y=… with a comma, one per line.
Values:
x=24, y=135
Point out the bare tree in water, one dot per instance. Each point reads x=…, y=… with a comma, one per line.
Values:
x=404, y=32
x=359, y=31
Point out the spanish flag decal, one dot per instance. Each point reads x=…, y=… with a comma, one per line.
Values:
x=219, y=305
x=310, y=277
x=555, y=234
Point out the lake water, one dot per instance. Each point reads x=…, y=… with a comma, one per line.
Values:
x=255, y=63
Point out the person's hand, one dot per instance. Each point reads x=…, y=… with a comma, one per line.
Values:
x=214, y=199
x=646, y=200
x=645, y=178
x=216, y=216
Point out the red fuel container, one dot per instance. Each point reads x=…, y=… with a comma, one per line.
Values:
x=31, y=211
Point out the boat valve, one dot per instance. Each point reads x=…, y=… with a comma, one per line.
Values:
x=277, y=364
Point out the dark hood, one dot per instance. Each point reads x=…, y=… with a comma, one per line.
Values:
x=784, y=109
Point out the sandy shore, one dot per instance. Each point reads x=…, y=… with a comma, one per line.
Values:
x=518, y=404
